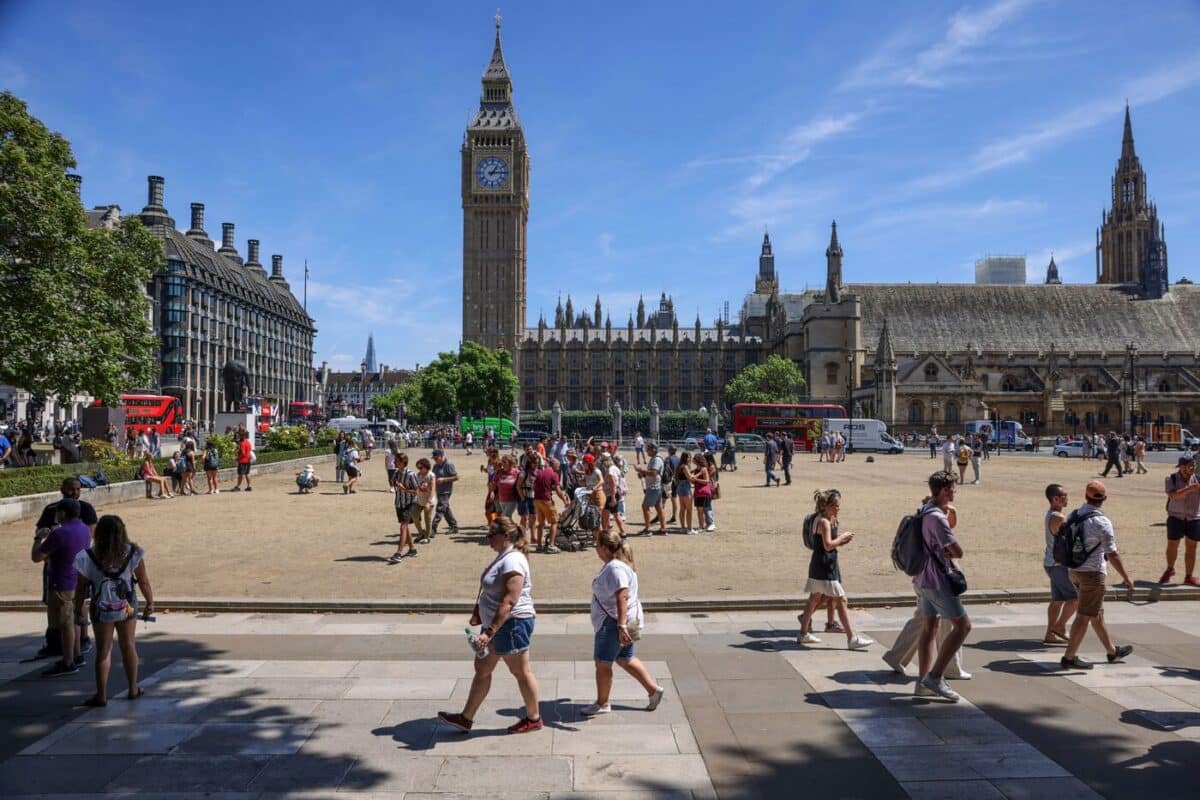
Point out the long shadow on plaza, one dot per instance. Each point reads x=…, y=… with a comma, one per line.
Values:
x=183, y=735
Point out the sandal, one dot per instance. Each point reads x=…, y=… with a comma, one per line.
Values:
x=140, y=692
x=834, y=627
x=95, y=702
x=1054, y=637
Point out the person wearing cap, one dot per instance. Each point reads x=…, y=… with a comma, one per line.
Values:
x=446, y=475
x=1183, y=519
x=59, y=547
x=652, y=486
x=49, y=518
x=1100, y=541
x=307, y=480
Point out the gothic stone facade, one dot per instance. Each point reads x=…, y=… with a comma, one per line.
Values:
x=913, y=355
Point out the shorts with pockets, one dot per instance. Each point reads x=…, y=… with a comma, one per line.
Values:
x=944, y=604
x=607, y=647
x=60, y=608
x=514, y=637
x=1090, y=586
x=1178, y=528
x=652, y=499
x=546, y=512
x=525, y=507
x=1061, y=588
x=244, y=469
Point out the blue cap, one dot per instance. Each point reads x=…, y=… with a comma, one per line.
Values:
x=437, y=453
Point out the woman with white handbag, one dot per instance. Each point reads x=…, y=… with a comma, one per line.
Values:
x=617, y=621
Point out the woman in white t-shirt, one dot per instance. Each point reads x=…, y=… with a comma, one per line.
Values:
x=505, y=609
x=113, y=553
x=615, y=604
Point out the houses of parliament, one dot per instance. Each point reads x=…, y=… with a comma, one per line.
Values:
x=1084, y=356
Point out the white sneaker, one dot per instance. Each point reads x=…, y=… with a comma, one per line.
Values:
x=655, y=698
x=860, y=642
x=710, y=528
x=940, y=688
x=593, y=710
x=808, y=638
x=692, y=531
x=892, y=661
x=959, y=676
x=921, y=690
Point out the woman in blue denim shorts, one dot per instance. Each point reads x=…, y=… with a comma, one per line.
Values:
x=614, y=605
x=504, y=608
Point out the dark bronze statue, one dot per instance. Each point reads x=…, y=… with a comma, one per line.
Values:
x=237, y=384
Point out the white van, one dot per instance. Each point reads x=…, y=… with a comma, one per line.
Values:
x=348, y=424
x=864, y=434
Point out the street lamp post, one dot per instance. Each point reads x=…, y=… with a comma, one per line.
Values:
x=850, y=398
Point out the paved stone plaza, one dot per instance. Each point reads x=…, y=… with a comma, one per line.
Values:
x=257, y=706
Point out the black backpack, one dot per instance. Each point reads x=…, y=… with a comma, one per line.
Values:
x=909, y=552
x=1070, y=549
x=810, y=538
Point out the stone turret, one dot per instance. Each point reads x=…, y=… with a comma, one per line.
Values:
x=833, y=268
x=1052, y=272
x=641, y=312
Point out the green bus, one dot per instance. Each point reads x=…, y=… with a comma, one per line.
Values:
x=503, y=426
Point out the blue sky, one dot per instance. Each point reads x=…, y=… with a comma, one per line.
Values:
x=664, y=138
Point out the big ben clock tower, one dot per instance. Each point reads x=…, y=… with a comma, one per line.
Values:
x=495, y=201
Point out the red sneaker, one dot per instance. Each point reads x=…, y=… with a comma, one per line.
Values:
x=526, y=725
x=1190, y=580
x=456, y=721
x=1166, y=576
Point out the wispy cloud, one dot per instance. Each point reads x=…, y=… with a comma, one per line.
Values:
x=945, y=213
x=795, y=146
x=1021, y=147
x=902, y=61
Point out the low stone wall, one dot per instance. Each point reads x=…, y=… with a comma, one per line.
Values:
x=31, y=505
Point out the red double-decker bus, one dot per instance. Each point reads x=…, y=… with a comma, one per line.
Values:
x=801, y=420
x=301, y=412
x=158, y=412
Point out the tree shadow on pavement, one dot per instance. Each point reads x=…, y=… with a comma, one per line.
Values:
x=198, y=728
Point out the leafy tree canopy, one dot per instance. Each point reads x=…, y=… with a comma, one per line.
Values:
x=73, y=309
x=776, y=380
x=473, y=380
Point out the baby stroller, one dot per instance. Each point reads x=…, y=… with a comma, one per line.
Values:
x=578, y=522
x=729, y=459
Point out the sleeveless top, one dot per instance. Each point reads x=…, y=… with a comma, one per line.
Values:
x=823, y=565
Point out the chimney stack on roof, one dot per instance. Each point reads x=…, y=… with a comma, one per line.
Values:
x=76, y=184
x=277, y=271
x=252, y=255
x=155, y=213
x=227, y=247
x=197, y=230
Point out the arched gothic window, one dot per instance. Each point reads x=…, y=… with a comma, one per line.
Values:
x=931, y=373
x=916, y=412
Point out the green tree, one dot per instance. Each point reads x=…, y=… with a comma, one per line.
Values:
x=486, y=381
x=776, y=380
x=438, y=397
x=409, y=393
x=73, y=309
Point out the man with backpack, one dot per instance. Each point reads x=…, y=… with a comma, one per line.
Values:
x=1087, y=544
x=938, y=591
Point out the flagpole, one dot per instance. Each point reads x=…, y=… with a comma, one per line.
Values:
x=306, y=286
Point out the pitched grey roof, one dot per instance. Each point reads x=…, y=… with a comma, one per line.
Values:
x=202, y=263
x=1081, y=317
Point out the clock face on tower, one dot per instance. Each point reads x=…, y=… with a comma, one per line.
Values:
x=491, y=172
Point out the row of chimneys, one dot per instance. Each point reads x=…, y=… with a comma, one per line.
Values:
x=156, y=214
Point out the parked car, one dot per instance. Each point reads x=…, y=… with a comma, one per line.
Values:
x=748, y=443
x=1069, y=450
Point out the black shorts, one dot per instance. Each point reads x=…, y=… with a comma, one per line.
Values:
x=1178, y=528
x=243, y=469
x=406, y=513
x=352, y=471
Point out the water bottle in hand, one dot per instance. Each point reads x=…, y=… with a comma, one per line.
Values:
x=473, y=641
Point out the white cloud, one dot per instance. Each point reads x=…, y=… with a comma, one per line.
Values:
x=899, y=63
x=1020, y=147
x=952, y=212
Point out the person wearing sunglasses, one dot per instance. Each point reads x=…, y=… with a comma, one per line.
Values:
x=1088, y=579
